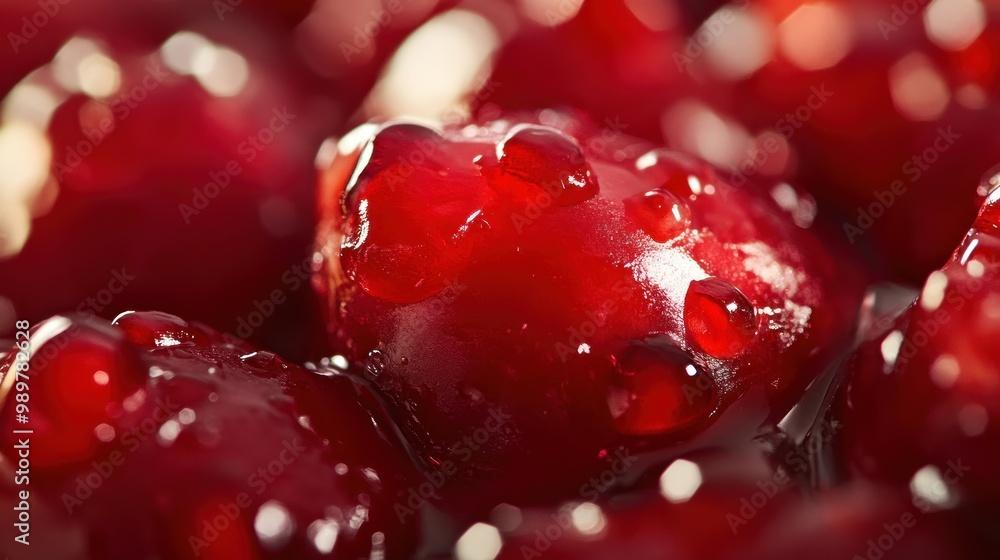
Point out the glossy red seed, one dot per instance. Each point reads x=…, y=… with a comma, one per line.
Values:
x=202, y=217
x=82, y=378
x=156, y=329
x=719, y=319
x=921, y=401
x=224, y=451
x=658, y=389
x=468, y=293
x=392, y=155
x=676, y=172
x=659, y=213
x=537, y=161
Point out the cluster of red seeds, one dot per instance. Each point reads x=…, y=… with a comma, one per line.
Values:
x=634, y=305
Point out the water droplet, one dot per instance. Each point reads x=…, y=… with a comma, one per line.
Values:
x=677, y=173
x=156, y=329
x=375, y=363
x=659, y=213
x=396, y=144
x=535, y=160
x=260, y=359
x=658, y=388
x=719, y=319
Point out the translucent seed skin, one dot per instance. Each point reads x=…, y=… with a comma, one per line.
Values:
x=659, y=213
x=540, y=161
x=718, y=318
x=658, y=389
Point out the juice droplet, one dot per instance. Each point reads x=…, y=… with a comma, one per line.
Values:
x=261, y=359
x=375, y=363
x=677, y=173
x=658, y=388
x=157, y=329
x=719, y=319
x=659, y=213
x=395, y=149
x=534, y=161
